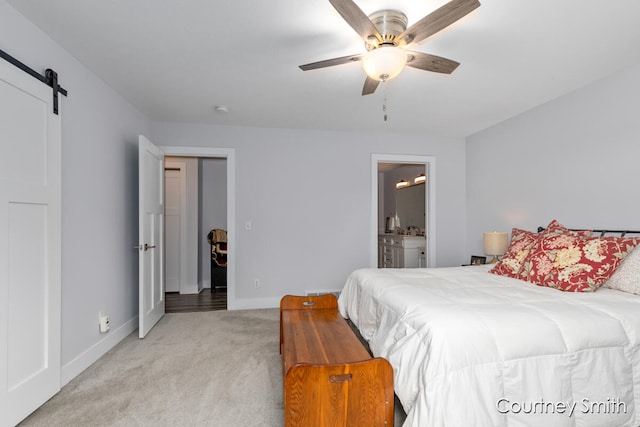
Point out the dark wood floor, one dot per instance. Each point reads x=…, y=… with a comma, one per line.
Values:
x=204, y=301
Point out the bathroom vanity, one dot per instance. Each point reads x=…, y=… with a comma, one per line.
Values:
x=401, y=251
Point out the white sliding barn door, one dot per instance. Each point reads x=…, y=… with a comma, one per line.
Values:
x=151, y=235
x=30, y=245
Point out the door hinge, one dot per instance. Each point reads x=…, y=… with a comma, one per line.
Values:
x=146, y=247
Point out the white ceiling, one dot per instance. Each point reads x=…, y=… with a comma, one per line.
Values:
x=176, y=59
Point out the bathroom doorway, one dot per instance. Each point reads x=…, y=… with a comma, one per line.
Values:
x=413, y=178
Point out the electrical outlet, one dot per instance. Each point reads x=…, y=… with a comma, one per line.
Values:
x=256, y=283
x=104, y=322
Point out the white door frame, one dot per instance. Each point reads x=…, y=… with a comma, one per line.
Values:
x=430, y=200
x=228, y=154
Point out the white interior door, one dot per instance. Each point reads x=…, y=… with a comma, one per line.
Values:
x=151, y=239
x=30, y=245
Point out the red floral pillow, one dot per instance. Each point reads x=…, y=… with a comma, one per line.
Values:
x=574, y=263
x=511, y=262
x=553, y=231
x=555, y=227
x=521, y=244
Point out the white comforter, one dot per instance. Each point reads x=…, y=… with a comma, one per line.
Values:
x=470, y=348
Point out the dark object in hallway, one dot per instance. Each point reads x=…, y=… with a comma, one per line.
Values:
x=218, y=240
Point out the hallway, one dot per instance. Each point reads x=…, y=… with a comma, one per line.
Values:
x=204, y=301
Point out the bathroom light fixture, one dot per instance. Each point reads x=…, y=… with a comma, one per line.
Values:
x=420, y=179
x=495, y=244
x=384, y=62
x=402, y=184
x=221, y=109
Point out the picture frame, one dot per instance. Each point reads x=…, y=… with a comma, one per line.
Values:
x=478, y=260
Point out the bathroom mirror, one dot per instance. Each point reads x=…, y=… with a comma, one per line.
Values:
x=410, y=206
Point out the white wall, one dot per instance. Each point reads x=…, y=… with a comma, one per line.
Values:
x=192, y=245
x=574, y=159
x=307, y=194
x=99, y=196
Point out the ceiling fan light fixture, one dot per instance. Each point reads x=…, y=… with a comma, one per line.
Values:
x=384, y=63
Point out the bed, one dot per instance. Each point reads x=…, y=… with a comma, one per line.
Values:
x=471, y=348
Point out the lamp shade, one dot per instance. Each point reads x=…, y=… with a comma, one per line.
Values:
x=495, y=243
x=384, y=63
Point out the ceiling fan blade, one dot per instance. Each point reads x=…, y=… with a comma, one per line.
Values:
x=355, y=17
x=437, y=64
x=370, y=86
x=331, y=62
x=437, y=20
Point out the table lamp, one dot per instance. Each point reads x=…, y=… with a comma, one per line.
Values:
x=495, y=243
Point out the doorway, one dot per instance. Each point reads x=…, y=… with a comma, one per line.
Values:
x=200, y=298
x=195, y=203
x=413, y=166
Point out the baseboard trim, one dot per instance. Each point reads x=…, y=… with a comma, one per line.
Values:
x=96, y=351
x=189, y=289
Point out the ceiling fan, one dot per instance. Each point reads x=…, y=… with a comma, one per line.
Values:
x=386, y=38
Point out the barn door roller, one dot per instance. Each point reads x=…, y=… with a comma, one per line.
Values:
x=50, y=78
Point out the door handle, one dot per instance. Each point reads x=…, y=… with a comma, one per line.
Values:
x=146, y=247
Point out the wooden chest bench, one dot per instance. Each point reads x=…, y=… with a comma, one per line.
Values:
x=329, y=378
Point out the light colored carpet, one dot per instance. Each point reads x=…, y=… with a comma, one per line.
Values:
x=216, y=368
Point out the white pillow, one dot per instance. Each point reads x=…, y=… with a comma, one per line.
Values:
x=626, y=278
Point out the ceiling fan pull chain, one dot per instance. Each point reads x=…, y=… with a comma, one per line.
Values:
x=384, y=103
